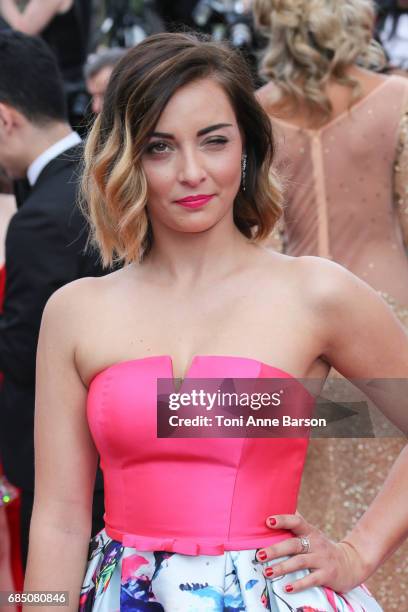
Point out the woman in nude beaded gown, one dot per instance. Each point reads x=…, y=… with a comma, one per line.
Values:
x=343, y=151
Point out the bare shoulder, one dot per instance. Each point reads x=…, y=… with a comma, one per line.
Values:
x=320, y=274
x=78, y=303
x=346, y=309
x=319, y=284
x=371, y=81
x=327, y=285
x=361, y=336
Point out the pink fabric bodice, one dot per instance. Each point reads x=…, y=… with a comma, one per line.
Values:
x=187, y=495
x=339, y=189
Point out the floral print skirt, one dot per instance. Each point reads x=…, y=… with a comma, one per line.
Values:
x=123, y=579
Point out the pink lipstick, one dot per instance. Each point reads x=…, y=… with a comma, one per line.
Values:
x=195, y=201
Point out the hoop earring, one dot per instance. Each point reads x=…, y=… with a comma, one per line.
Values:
x=243, y=171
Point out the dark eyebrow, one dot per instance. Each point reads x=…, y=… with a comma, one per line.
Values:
x=211, y=128
x=202, y=132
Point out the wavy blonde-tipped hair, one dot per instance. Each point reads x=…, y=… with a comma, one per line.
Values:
x=311, y=41
x=114, y=186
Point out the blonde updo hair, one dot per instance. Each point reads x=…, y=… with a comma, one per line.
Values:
x=114, y=186
x=311, y=41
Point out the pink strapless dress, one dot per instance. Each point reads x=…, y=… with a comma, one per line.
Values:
x=185, y=516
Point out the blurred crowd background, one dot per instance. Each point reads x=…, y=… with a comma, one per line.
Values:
x=89, y=38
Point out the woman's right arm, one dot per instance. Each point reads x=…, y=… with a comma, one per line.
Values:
x=65, y=456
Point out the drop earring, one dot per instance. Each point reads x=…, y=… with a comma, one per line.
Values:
x=243, y=171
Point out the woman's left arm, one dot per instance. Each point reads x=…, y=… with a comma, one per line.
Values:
x=401, y=177
x=35, y=17
x=362, y=339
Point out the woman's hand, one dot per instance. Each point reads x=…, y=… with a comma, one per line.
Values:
x=335, y=565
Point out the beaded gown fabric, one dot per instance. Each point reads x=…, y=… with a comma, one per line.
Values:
x=347, y=199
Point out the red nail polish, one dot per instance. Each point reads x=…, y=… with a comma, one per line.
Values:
x=262, y=555
x=288, y=588
x=272, y=521
x=269, y=571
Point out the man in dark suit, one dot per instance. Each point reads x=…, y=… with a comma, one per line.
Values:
x=46, y=239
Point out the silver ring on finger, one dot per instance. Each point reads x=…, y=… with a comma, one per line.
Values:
x=305, y=544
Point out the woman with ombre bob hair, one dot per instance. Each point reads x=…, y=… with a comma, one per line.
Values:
x=178, y=187
x=114, y=182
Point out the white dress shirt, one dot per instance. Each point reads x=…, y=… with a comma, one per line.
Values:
x=35, y=168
